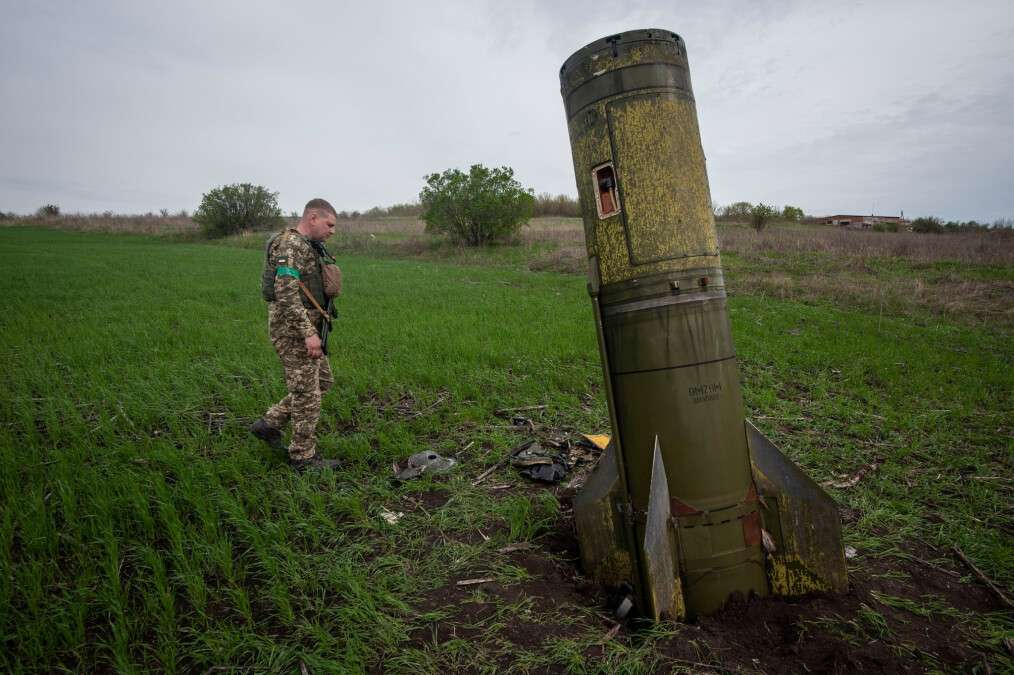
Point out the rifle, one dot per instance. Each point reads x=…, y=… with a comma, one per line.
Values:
x=330, y=312
x=325, y=329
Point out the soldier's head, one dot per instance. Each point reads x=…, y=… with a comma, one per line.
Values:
x=318, y=221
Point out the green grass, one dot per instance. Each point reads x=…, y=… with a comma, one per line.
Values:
x=142, y=529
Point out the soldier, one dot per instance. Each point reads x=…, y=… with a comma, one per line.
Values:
x=294, y=285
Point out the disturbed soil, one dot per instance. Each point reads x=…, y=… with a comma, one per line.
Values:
x=851, y=633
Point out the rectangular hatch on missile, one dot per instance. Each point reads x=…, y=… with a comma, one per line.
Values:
x=606, y=195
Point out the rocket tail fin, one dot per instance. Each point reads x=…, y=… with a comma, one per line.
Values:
x=663, y=593
x=602, y=532
x=802, y=527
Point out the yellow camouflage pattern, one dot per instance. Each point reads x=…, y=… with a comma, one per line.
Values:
x=286, y=315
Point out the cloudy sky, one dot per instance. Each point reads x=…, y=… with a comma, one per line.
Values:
x=850, y=107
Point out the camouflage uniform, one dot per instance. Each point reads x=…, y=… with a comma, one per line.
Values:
x=290, y=322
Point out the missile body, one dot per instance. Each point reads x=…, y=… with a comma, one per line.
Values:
x=678, y=508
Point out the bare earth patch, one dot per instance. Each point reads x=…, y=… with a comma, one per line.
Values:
x=899, y=616
x=527, y=606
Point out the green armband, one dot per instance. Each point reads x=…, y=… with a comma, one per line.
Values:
x=287, y=272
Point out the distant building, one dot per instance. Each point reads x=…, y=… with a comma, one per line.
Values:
x=862, y=222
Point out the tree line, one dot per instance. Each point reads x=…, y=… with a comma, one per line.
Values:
x=475, y=208
x=545, y=205
x=934, y=225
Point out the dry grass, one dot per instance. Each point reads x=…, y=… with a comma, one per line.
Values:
x=407, y=226
x=967, y=277
x=136, y=224
x=994, y=248
x=978, y=302
x=549, y=243
x=560, y=230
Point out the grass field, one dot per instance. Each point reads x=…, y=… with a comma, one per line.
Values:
x=142, y=529
x=965, y=278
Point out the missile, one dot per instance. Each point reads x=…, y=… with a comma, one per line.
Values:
x=690, y=504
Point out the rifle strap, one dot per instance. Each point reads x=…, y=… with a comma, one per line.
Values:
x=306, y=291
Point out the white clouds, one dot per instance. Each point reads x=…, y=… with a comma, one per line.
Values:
x=136, y=107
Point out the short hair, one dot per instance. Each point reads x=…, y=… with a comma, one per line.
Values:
x=319, y=205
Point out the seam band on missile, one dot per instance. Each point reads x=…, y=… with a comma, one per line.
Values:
x=630, y=80
x=652, y=303
x=711, y=518
x=682, y=365
x=660, y=284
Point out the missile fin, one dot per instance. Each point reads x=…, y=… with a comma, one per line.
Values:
x=602, y=531
x=801, y=521
x=664, y=590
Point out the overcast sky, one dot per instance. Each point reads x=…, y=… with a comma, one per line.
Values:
x=839, y=107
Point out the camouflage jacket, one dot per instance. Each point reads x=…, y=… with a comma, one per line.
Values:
x=295, y=260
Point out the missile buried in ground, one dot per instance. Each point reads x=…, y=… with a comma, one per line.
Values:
x=690, y=504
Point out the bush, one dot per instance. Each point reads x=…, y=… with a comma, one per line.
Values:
x=792, y=213
x=476, y=208
x=233, y=208
x=928, y=224
x=48, y=211
x=735, y=211
x=760, y=215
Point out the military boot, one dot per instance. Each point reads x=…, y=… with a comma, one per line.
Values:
x=315, y=463
x=268, y=434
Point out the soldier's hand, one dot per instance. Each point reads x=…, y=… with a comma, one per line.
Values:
x=313, y=347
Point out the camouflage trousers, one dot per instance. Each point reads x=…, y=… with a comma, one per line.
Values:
x=307, y=380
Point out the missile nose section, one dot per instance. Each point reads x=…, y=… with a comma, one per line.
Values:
x=677, y=508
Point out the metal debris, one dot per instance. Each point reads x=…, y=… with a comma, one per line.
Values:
x=538, y=463
x=523, y=422
x=546, y=473
x=425, y=462
x=584, y=456
x=599, y=441
x=551, y=459
x=530, y=453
